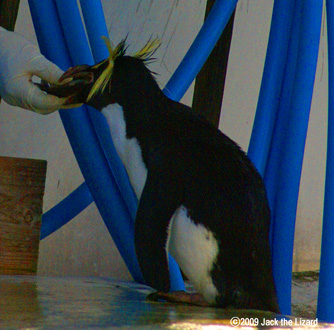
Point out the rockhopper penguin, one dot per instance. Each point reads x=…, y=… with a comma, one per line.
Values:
x=200, y=197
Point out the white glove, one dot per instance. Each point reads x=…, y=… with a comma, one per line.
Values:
x=19, y=62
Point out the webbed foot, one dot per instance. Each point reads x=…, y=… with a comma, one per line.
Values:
x=181, y=297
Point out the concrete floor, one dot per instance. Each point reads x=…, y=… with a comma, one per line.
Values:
x=35, y=303
x=305, y=294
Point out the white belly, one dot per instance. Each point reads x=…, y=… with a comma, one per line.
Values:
x=195, y=250
x=128, y=150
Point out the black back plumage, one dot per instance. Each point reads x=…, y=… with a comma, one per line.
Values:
x=207, y=173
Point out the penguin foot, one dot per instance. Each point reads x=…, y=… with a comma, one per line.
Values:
x=179, y=297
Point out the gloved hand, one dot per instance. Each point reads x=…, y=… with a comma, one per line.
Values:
x=19, y=62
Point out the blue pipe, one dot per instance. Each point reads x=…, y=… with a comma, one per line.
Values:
x=66, y=210
x=103, y=188
x=325, y=309
x=292, y=157
x=96, y=28
x=200, y=49
x=272, y=115
x=84, y=140
x=49, y=32
x=123, y=230
x=74, y=32
x=79, y=51
x=271, y=84
x=77, y=200
x=279, y=135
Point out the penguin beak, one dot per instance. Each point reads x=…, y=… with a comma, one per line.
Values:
x=75, y=84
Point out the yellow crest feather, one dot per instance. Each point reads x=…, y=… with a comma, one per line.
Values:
x=151, y=46
x=99, y=86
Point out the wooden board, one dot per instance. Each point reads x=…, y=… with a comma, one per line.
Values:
x=22, y=183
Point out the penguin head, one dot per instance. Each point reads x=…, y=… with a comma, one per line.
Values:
x=131, y=82
x=118, y=79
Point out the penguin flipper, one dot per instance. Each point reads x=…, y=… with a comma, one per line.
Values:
x=156, y=207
